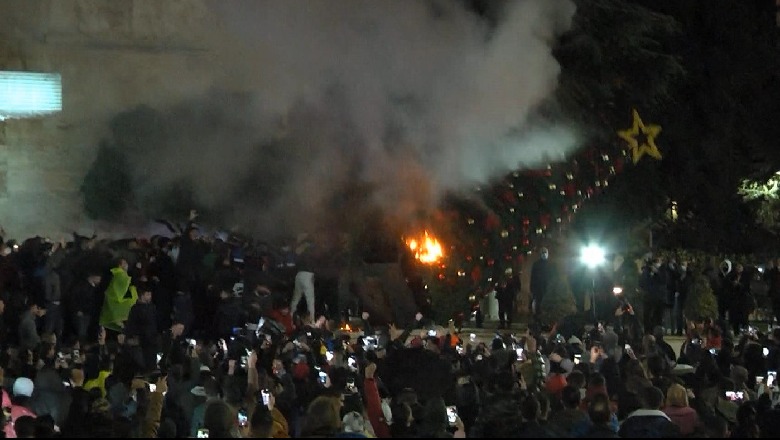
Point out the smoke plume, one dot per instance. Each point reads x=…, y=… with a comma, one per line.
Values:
x=354, y=105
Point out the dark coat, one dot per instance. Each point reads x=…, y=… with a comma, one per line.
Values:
x=646, y=423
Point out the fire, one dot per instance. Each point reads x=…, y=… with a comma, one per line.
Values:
x=427, y=249
x=346, y=328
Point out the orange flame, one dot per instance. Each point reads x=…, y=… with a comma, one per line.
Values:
x=427, y=250
x=346, y=328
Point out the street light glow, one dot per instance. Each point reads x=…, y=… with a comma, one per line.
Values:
x=592, y=256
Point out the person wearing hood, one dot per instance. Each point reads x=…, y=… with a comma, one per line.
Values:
x=119, y=297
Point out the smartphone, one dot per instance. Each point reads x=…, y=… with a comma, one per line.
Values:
x=203, y=433
x=627, y=347
x=352, y=363
x=577, y=358
x=766, y=351
x=452, y=414
x=735, y=396
x=713, y=351
x=771, y=378
x=472, y=337
x=243, y=419
x=328, y=356
x=519, y=353
x=266, y=396
x=159, y=358
x=66, y=383
x=323, y=377
x=431, y=332
x=152, y=387
x=479, y=357
x=192, y=342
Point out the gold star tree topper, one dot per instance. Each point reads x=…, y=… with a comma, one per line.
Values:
x=641, y=138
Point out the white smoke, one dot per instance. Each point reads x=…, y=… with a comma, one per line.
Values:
x=410, y=98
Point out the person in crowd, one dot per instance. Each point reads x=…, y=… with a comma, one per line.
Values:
x=742, y=302
x=682, y=280
x=679, y=410
x=119, y=297
x=541, y=274
x=323, y=418
x=654, y=282
x=571, y=420
x=506, y=293
x=141, y=331
x=747, y=423
x=81, y=303
x=600, y=414
x=29, y=338
x=304, y=289
x=220, y=420
x=772, y=279
x=649, y=420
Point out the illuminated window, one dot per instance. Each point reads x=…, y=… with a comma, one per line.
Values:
x=29, y=94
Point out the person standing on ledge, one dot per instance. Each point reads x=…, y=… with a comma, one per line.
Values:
x=506, y=294
x=540, y=279
x=119, y=298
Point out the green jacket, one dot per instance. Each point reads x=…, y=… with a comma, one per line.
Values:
x=116, y=306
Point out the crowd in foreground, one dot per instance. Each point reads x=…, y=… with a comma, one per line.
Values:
x=178, y=338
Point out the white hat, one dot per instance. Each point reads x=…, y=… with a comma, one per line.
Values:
x=23, y=387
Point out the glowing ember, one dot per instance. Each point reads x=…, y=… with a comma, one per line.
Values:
x=426, y=250
x=346, y=328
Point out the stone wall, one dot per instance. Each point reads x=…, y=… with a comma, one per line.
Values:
x=112, y=55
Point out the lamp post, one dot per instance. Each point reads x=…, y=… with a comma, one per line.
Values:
x=592, y=256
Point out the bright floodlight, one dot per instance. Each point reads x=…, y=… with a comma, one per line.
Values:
x=592, y=256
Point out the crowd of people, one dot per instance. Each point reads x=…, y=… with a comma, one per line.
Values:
x=189, y=336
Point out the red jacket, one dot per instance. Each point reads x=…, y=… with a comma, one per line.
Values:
x=285, y=319
x=374, y=408
x=16, y=412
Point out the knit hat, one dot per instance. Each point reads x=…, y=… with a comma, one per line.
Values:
x=23, y=387
x=300, y=371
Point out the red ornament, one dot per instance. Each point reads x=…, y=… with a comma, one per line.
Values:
x=476, y=274
x=492, y=222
